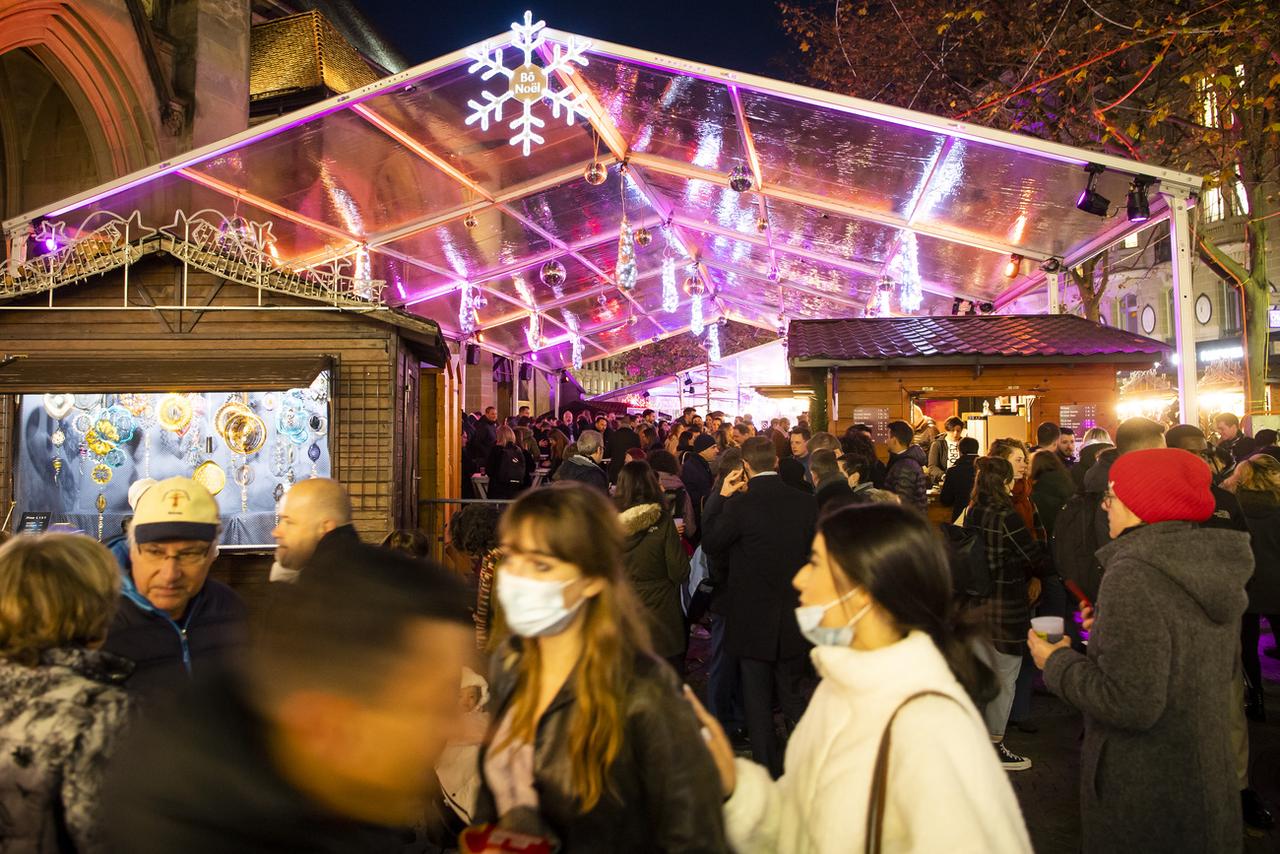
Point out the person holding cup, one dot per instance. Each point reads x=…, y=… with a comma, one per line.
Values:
x=1157, y=772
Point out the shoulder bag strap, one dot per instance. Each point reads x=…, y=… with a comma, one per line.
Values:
x=880, y=776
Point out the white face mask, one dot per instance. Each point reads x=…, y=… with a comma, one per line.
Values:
x=809, y=618
x=532, y=607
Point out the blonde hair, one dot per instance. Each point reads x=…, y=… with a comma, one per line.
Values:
x=55, y=590
x=1259, y=473
x=578, y=525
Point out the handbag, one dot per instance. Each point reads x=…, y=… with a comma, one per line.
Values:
x=880, y=776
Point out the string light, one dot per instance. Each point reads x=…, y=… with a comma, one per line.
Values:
x=713, y=342
x=670, y=296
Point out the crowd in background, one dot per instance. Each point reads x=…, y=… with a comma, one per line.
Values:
x=865, y=664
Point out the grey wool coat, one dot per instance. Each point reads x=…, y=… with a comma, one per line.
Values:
x=1156, y=767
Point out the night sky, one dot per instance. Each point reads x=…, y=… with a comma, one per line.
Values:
x=742, y=35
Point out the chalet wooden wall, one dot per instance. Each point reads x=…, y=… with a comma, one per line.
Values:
x=375, y=407
x=1053, y=385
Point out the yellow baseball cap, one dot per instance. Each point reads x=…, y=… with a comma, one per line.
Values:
x=175, y=509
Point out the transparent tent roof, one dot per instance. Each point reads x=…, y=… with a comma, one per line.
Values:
x=452, y=220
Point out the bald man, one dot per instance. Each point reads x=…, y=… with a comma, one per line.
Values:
x=314, y=515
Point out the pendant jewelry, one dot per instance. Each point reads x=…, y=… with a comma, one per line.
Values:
x=102, y=506
x=313, y=454
x=277, y=494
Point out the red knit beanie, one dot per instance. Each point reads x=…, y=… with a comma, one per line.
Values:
x=1163, y=485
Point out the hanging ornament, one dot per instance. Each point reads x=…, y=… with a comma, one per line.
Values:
x=480, y=302
x=626, y=270
x=670, y=296
x=602, y=299
x=575, y=338
x=696, y=323
x=533, y=332
x=470, y=220
x=101, y=474
x=643, y=237
x=101, y=504
x=552, y=274
x=57, y=467
x=58, y=437
x=774, y=275
x=762, y=225
x=466, y=310
x=906, y=267
x=596, y=174
x=713, y=342
x=59, y=406
x=739, y=179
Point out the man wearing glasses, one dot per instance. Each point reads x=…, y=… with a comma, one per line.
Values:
x=173, y=619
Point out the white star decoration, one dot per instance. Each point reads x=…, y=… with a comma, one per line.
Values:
x=529, y=84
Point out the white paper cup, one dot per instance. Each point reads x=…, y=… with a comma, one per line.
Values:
x=1049, y=628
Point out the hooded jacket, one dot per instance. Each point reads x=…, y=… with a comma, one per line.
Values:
x=946, y=789
x=59, y=722
x=657, y=566
x=167, y=652
x=663, y=791
x=1157, y=769
x=584, y=470
x=907, y=477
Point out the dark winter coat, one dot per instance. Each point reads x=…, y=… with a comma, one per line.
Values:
x=1157, y=769
x=907, y=477
x=201, y=781
x=498, y=489
x=167, y=653
x=957, y=489
x=1049, y=494
x=764, y=536
x=1013, y=557
x=662, y=791
x=657, y=566
x=59, y=722
x=584, y=470
x=1262, y=512
x=622, y=440
x=834, y=489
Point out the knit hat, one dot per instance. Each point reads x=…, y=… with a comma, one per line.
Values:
x=701, y=442
x=175, y=509
x=1163, y=485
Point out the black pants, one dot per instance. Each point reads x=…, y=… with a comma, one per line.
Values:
x=1250, y=632
x=759, y=679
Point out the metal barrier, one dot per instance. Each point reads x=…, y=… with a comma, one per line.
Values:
x=434, y=515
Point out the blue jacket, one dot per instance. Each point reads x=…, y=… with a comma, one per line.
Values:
x=166, y=653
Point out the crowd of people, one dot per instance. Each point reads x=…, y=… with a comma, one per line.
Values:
x=865, y=664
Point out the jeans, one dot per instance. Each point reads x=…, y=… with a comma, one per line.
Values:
x=724, y=694
x=1006, y=667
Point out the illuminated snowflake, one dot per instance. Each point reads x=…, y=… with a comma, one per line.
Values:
x=528, y=84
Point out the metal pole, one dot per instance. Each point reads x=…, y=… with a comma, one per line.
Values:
x=1184, y=306
x=1054, y=281
x=515, y=385
x=556, y=379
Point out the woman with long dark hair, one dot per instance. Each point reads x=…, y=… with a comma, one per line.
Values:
x=653, y=558
x=591, y=745
x=1013, y=556
x=875, y=600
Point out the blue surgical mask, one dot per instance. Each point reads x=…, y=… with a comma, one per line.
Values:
x=809, y=618
x=533, y=607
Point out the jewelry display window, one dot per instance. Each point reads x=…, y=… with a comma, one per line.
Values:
x=78, y=454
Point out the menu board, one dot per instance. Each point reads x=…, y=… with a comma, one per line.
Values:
x=1078, y=417
x=875, y=417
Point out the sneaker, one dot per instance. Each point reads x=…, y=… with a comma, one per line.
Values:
x=1256, y=814
x=1011, y=761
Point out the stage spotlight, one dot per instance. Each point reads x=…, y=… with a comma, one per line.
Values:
x=1090, y=200
x=1139, y=207
x=1013, y=266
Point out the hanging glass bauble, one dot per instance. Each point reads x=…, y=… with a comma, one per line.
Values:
x=470, y=221
x=278, y=492
x=282, y=457
x=246, y=433
x=739, y=179
x=643, y=237
x=115, y=458
x=174, y=412
x=88, y=402
x=58, y=406
x=291, y=423
x=552, y=274
x=101, y=474
x=58, y=437
x=244, y=475
x=122, y=421
x=318, y=425
x=96, y=443
x=480, y=302
x=82, y=423
x=762, y=225
x=596, y=174
x=693, y=286
x=270, y=401
x=211, y=476
x=313, y=452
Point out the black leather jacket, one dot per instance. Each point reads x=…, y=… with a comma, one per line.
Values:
x=663, y=792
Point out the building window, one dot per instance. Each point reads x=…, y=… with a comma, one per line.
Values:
x=1232, y=310
x=1131, y=241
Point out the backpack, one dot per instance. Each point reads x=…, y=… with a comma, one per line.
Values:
x=970, y=575
x=511, y=468
x=1076, y=539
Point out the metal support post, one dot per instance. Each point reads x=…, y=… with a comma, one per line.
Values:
x=1184, y=307
x=1054, y=282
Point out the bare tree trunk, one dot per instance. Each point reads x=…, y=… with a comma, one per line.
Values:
x=1091, y=281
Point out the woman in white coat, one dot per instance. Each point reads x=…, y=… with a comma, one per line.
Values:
x=876, y=603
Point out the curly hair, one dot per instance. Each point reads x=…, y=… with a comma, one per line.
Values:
x=474, y=528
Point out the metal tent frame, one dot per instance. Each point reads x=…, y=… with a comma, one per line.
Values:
x=388, y=194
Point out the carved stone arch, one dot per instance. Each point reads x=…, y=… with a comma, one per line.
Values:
x=98, y=65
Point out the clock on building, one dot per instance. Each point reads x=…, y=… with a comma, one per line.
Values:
x=1204, y=309
x=1148, y=320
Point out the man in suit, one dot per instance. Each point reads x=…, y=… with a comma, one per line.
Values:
x=763, y=530
x=620, y=441
x=829, y=482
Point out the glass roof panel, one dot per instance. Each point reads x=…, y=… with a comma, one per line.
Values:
x=340, y=170
x=498, y=240
x=826, y=152
x=829, y=233
x=705, y=201
x=434, y=112
x=526, y=283
x=960, y=268
x=670, y=115
x=1024, y=201
x=576, y=212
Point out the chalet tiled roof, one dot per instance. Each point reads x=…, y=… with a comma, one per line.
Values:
x=987, y=338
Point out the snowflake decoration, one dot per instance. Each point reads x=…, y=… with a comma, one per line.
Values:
x=528, y=84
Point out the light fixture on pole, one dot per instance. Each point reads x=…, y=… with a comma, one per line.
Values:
x=1090, y=200
x=1139, y=208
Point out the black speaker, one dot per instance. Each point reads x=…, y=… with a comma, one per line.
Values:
x=526, y=371
x=473, y=354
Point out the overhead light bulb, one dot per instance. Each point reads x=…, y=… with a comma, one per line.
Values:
x=739, y=179
x=1013, y=266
